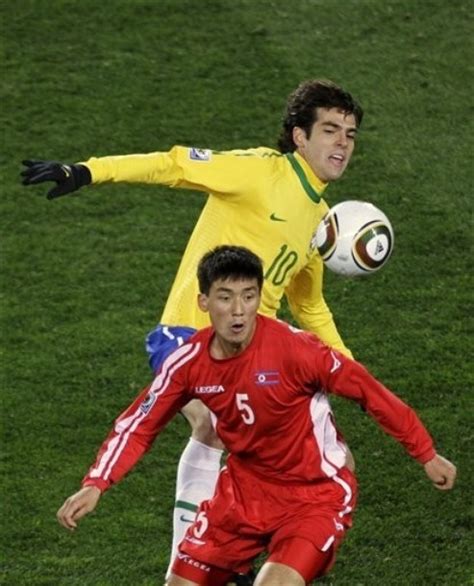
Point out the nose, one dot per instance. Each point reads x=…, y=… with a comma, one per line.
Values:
x=342, y=138
x=237, y=307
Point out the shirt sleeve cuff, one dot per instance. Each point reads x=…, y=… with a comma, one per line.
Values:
x=102, y=485
x=427, y=456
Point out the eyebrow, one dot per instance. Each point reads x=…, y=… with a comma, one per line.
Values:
x=228, y=290
x=338, y=126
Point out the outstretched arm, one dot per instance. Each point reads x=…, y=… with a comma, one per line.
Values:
x=224, y=173
x=350, y=379
x=132, y=435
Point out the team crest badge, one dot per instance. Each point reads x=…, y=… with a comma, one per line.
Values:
x=147, y=403
x=199, y=154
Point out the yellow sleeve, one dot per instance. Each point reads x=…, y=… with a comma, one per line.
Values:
x=230, y=172
x=307, y=304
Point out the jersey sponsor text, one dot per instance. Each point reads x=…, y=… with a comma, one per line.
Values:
x=209, y=389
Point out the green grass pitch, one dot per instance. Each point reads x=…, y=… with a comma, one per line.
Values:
x=84, y=278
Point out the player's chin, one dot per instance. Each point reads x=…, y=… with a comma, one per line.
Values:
x=236, y=338
x=238, y=335
x=335, y=174
x=335, y=170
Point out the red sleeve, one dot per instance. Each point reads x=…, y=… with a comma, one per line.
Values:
x=348, y=378
x=137, y=427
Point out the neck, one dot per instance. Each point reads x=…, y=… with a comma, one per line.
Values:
x=310, y=173
x=221, y=349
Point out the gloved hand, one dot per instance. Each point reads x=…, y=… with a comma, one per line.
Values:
x=68, y=178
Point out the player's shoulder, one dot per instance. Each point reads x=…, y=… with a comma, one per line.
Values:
x=199, y=153
x=261, y=153
x=194, y=346
x=291, y=345
x=201, y=336
x=256, y=157
x=192, y=352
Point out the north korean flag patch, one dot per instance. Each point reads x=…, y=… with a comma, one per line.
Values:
x=270, y=377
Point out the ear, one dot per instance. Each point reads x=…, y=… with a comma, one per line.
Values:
x=203, y=302
x=299, y=136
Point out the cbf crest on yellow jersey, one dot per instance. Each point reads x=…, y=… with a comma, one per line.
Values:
x=258, y=198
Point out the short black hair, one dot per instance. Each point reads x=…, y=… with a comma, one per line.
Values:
x=228, y=262
x=301, y=108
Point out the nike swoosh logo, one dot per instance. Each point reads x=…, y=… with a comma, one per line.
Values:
x=67, y=170
x=185, y=519
x=276, y=218
x=336, y=363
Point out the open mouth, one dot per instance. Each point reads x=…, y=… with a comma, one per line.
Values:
x=237, y=328
x=337, y=160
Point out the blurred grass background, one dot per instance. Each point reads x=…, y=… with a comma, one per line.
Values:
x=84, y=278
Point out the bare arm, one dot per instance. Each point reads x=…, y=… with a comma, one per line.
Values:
x=77, y=506
x=441, y=472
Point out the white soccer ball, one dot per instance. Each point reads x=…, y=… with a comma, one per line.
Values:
x=354, y=238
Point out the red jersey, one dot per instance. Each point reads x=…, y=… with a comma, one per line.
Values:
x=270, y=405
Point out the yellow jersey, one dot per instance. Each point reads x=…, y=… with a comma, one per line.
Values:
x=258, y=198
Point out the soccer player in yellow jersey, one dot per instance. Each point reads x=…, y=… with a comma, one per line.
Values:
x=267, y=200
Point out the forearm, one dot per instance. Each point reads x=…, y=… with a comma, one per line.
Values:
x=353, y=381
x=136, y=428
x=132, y=436
x=140, y=168
x=309, y=308
x=119, y=453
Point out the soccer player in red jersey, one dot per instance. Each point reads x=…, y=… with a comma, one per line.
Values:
x=285, y=488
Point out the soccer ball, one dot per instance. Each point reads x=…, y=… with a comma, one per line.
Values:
x=354, y=238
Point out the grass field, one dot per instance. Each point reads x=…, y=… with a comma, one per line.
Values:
x=84, y=278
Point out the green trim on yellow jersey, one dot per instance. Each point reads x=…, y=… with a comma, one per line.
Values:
x=311, y=192
x=245, y=154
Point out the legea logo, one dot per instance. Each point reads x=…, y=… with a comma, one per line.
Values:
x=209, y=389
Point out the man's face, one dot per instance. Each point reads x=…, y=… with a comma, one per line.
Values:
x=232, y=307
x=329, y=147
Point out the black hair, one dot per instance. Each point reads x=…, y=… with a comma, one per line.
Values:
x=301, y=108
x=228, y=262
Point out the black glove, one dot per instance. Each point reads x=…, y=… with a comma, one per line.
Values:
x=68, y=178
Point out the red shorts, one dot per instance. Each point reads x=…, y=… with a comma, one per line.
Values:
x=249, y=515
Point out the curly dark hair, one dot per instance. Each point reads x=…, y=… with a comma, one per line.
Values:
x=301, y=108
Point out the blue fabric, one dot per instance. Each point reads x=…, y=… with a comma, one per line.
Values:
x=163, y=340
